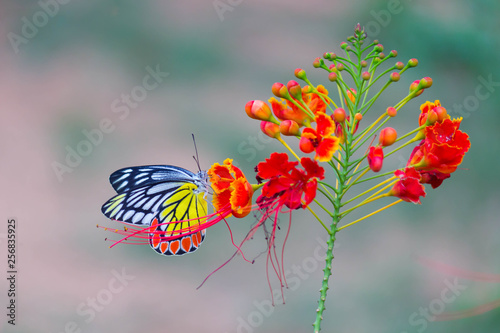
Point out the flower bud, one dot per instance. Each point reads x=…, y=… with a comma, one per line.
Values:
x=375, y=158
x=318, y=62
x=399, y=65
x=413, y=62
x=358, y=116
x=300, y=74
x=379, y=48
x=363, y=63
x=289, y=128
x=365, y=76
x=387, y=136
x=305, y=145
x=426, y=82
x=339, y=115
x=343, y=45
x=294, y=89
x=395, y=76
x=431, y=119
x=258, y=110
x=332, y=76
x=381, y=55
x=351, y=93
x=340, y=67
x=441, y=112
x=333, y=68
x=414, y=86
x=393, y=53
x=280, y=90
x=270, y=129
x=391, y=111
x=307, y=90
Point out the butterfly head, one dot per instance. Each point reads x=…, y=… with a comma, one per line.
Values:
x=201, y=180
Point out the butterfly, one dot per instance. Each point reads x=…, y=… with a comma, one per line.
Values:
x=169, y=199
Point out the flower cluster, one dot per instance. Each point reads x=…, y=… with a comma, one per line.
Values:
x=331, y=134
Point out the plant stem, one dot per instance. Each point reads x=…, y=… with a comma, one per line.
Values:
x=328, y=269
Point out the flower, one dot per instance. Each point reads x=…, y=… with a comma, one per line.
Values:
x=375, y=158
x=287, y=110
x=429, y=108
x=408, y=188
x=231, y=189
x=321, y=139
x=443, y=148
x=292, y=187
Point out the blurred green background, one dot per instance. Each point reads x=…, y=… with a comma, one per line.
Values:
x=67, y=74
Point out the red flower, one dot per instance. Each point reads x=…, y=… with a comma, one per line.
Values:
x=435, y=178
x=427, y=107
x=321, y=139
x=408, y=187
x=443, y=148
x=375, y=158
x=294, y=188
x=231, y=189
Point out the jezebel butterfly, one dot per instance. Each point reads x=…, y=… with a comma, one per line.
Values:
x=170, y=199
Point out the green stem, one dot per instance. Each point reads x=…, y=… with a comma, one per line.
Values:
x=328, y=269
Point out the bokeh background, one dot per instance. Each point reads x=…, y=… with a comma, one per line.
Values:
x=67, y=75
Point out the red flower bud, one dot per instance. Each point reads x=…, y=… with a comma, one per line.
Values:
x=441, y=112
x=414, y=86
x=294, y=89
x=307, y=90
x=399, y=65
x=387, y=136
x=340, y=67
x=339, y=115
x=306, y=145
x=300, y=74
x=280, y=90
x=426, y=82
x=395, y=77
x=270, y=129
x=363, y=63
x=413, y=62
x=381, y=55
x=375, y=158
x=317, y=62
x=394, y=53
x=258, y=110
x=289, y=127
x=365, y=76
x=332, y=76
x=391, y=111
x=379, y=48
x=358, y=116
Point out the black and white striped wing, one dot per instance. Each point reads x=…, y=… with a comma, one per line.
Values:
x=127, y=179
x=140, y=205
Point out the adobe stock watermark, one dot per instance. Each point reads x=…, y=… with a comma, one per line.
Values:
x=39, y=19
x=482, y=92
x=420, y=319
x=88, y=309
x=252, y=145
x=223, y=6
x=120, y=106
x=294, y=277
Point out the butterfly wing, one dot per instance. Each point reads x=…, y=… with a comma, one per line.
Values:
x=140, y=205
x=126, y=179
x=183, y=205
x=160, y=196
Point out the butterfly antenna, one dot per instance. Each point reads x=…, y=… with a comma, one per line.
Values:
x=196, y=158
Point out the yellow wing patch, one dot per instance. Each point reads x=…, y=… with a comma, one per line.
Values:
x=183, y=205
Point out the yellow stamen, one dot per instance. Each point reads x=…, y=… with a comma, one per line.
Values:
x=287, y=147
x=317, y=217
x=369, y=215
x=369, y=128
